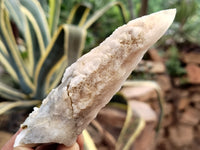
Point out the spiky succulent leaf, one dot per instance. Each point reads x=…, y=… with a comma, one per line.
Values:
x=158, y=91
x=14, y=57
x=103, y=10
x=54, y=14
x=5, y=106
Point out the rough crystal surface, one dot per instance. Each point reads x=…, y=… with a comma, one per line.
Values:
x=89, y=83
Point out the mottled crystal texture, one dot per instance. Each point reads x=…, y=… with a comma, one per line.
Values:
x=89, y=83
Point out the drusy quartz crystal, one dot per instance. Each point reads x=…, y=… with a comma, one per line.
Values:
x=89, y=83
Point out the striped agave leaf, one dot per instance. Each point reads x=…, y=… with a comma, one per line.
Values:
x=13, y=54
x=132, y=128
x=102, y=11
x=133, y=125
x=54, y=14
x=5, y=106
x=58, y=52
x=49, y=47
x=16, y=14
x=158, y=91
x=11, y=93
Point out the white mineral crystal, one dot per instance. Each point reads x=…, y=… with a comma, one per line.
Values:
x=89, y=83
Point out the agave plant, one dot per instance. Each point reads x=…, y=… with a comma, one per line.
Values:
x=35, y=49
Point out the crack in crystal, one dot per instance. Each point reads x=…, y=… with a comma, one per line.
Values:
x=70, y=100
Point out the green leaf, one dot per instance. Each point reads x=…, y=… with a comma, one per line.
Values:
x=36, y=16
x=54, y=76
x=76, y=42
x=10, y=93
x=6, y=106
x=15, y=13
x=159, y=96
x=133, y=124
x=4, y=57
x=66, y=46
x=103, y=10
x=132, y=128
x=34, y=45
x=183, y=11
x=84, y=16
x=37, y=34
x=79, y=14
x=56, y=51
x=173, y=63
x=54, y=14
x=44, y=5
x=14, y=57
x=32, y=48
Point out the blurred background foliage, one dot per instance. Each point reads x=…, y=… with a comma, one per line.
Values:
x=186, y=25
